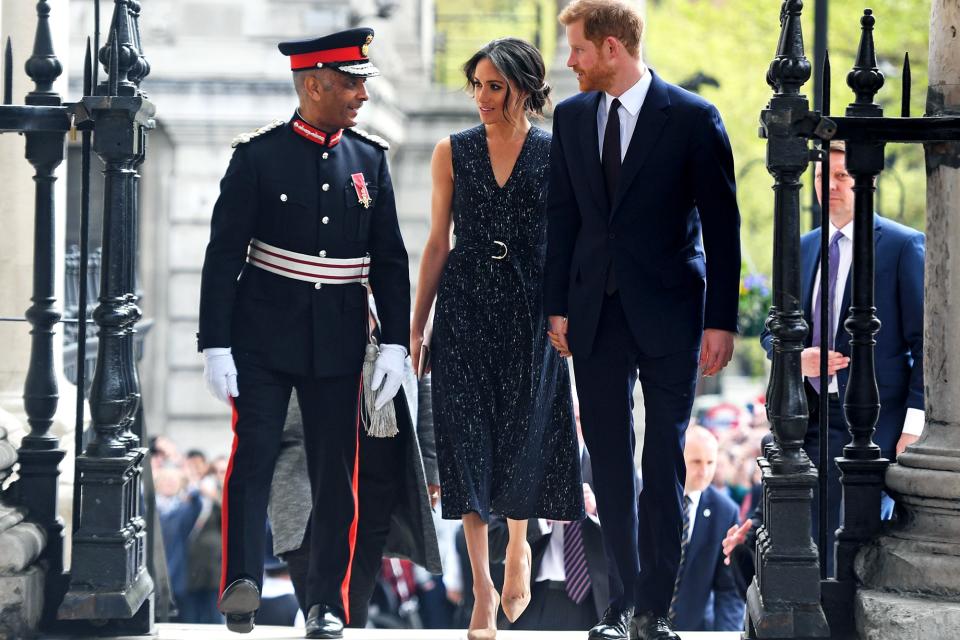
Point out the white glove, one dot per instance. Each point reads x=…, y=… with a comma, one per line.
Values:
x=388, y=371
x=220, y=373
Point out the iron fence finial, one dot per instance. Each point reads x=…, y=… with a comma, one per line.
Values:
x=790, y=68
x=865, y=78
x=42, y=66
x=8, y=72
x=906, y=87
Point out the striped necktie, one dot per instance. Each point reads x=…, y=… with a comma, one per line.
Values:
x=684, y=543
x=834, y=255
x=575, y=562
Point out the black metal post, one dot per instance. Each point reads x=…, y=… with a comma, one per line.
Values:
x=109, y=580
x=40, y=453
x=862, y=467
x=821, y=84
x=784, y=599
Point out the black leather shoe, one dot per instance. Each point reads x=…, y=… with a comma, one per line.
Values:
x=239, y=603
x=323, y=621
x=614, y=625
x=649, y=626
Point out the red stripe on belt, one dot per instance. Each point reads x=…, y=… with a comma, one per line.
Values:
x=304, y=273
x=325, y=265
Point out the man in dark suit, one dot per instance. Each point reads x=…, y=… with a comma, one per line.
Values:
x=641, y=186
x=898, y=295
x=706, y=596
x=305, y=219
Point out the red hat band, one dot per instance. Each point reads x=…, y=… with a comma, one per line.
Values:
x=343, y=54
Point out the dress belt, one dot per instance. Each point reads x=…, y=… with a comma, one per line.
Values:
x=499, y=249
x=301, y=266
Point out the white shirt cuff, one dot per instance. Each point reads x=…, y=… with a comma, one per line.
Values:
x=216, y=351
x=913, y=422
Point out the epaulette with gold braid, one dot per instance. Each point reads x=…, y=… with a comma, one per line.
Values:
x=244, y=138
x=371, y=138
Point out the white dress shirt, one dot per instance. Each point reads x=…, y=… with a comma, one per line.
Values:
x=913, y=422
x=630, y=102
x=694, y=506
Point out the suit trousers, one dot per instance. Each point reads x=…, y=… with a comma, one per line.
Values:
x=381, y=488
x=330, y=408
x=837, y=437
x=641, y=534
x=551, y=609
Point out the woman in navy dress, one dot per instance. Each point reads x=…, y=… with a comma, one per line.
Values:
x=503, y=414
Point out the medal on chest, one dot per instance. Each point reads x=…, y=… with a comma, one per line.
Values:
x=360, y=186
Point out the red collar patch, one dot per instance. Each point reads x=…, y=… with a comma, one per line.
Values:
x=313, y=134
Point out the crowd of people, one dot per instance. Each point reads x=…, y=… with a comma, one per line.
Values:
x=189, y=487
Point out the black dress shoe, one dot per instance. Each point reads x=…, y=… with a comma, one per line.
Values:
x=614, y=625
x=239, y=603
x=323, y=621
x=650, y=626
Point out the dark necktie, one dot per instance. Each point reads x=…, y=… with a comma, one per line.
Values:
x=834, y=267
x=575, y=562
x=684, y=543
x=610, y=160
x=610, y=156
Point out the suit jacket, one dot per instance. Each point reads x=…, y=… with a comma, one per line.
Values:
x=297, y=195
x=709, y=599
x=676, y=187
x=412, y=534
x=898, y=297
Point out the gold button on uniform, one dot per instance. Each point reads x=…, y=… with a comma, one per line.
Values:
x=325, y=187
x=325, y=155
x=318, y=285
x=283, y=197
x=323, y=254
x=325, y=220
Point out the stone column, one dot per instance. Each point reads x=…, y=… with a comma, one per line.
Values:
x=21, y=580
x=911, y=576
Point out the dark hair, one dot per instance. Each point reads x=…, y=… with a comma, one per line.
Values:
x=521, y=64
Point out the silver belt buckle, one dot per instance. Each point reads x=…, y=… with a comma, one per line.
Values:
x=505, y=250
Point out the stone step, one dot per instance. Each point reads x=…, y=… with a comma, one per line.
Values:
x=216, y=632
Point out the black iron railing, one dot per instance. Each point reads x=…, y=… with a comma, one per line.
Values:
x=108, y=583
x=789, y=597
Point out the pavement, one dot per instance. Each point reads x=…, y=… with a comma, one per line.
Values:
x=217, y=632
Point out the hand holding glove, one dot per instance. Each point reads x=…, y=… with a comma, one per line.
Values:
x=388, y=372
x=220, y=373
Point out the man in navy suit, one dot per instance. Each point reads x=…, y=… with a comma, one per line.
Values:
x=641, y=186
x=898, y=291
x=706, y=596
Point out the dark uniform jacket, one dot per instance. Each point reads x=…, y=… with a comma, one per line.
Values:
x=298, y=195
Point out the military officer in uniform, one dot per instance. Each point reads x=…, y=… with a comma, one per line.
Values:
x=305, y=221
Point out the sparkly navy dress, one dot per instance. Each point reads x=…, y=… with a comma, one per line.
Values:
x=503, y=412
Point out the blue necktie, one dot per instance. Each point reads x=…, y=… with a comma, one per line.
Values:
x=834, y=254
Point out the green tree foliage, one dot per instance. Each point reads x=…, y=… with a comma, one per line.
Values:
x=463, y=27
x=733, y=41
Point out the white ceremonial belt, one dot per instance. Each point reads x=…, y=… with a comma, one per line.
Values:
x=301, y=266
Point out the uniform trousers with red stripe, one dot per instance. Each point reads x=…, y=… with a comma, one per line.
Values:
x=329, y=406
x=382, y=488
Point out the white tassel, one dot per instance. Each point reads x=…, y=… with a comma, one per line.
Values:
x=382, y=423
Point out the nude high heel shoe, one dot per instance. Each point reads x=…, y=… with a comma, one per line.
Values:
x=514, y=604
x=486, y=633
